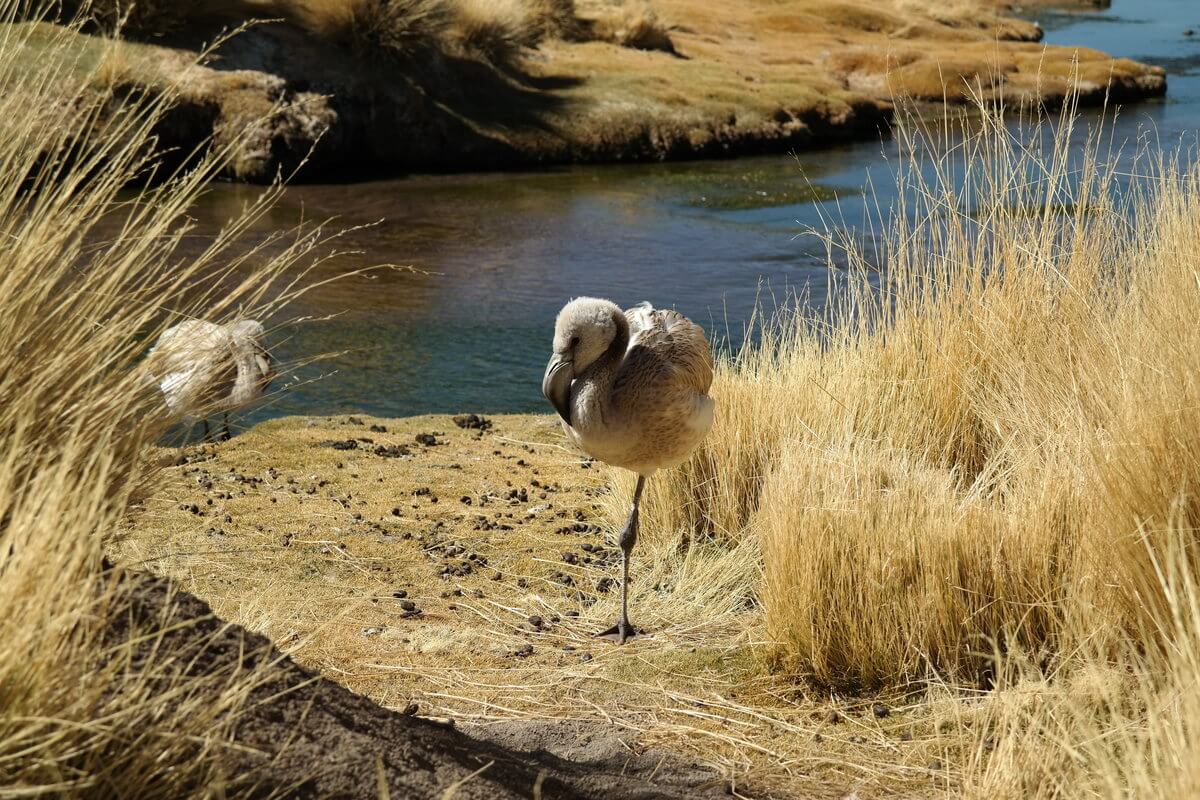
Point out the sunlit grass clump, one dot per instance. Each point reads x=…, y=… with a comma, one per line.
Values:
x=86, y=707
x=982, y=467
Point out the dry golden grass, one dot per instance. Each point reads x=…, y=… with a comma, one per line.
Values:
x=965, y=495
x=79, y=715
x=979, y=450
x=984, y=469
x=748, y=76
x=401, y=27
x=631, y=23
x=497, y=30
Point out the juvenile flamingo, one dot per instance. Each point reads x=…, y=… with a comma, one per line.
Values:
x=202, y=367
x=632, y=390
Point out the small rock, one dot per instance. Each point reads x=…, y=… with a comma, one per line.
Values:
x=408, y=605
x=400, y=594
x=411, y=710
x=585, y=657
x=880, y=710
x=523, y=652
x=536, y=621
x=372, y=631
x=935, y=765
x=427, y=439
x=833, y=717
x=379, y=428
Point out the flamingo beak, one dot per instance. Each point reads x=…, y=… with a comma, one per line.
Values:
x=556, y=384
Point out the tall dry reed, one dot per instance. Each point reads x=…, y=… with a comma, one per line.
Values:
x=981, y=446
x=85, y=710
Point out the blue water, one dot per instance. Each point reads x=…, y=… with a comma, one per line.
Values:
x=498, y=254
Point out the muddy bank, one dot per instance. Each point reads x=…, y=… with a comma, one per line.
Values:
x=303, y=736
x=743, y=78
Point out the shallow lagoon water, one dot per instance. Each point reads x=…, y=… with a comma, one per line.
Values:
x=498, y=254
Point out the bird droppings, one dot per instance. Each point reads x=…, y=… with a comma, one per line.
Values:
x=391, y=451
x=473, y=422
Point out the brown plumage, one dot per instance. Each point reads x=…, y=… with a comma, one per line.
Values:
x=632, y=390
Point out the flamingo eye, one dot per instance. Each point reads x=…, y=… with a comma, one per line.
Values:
x=574, y=342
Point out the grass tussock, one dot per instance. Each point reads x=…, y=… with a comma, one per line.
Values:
x=980, y=469
x=498, y=30
x=86, y=709
x=991, y=443
x=632, y=23
x=403, y=28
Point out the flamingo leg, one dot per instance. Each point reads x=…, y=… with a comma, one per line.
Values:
x=624, y=630
x=227, y=434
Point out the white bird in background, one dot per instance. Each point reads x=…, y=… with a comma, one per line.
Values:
x=201, y=367
x=632, y=390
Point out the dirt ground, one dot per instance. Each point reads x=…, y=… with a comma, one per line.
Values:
x=460, y=573
x=302, y=736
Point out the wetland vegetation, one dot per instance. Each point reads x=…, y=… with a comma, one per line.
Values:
x=939, y=542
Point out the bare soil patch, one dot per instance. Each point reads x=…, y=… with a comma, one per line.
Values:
x=304, y=736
